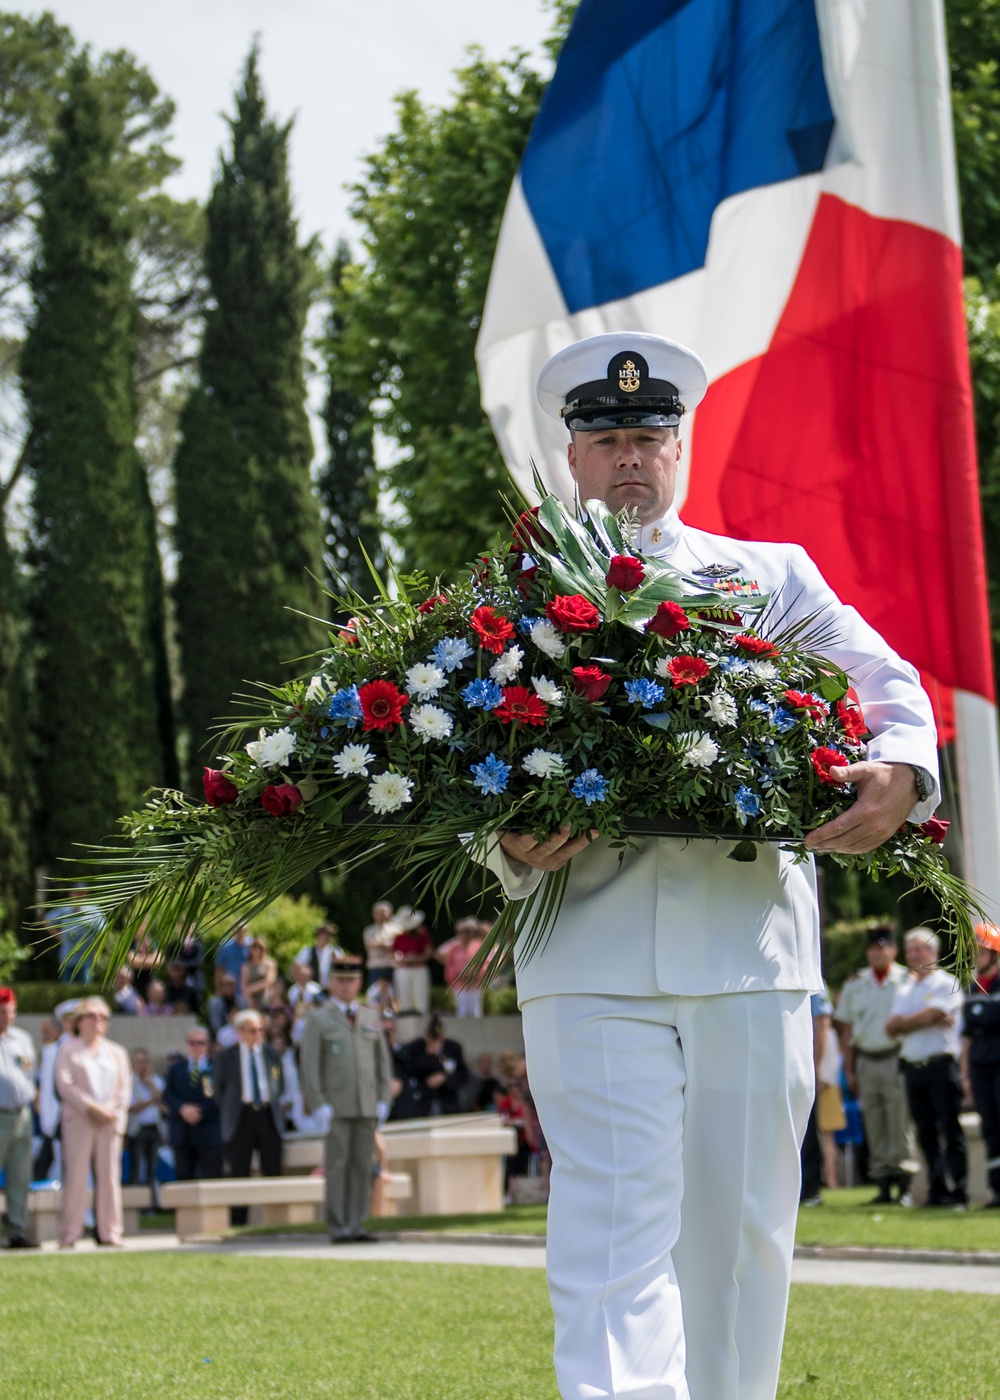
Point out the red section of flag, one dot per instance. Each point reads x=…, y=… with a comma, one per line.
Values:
x=853, y=436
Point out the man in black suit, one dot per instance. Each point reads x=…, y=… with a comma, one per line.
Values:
x=189, y=1095
x=249, y=1083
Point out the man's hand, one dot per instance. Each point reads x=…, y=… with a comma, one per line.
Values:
x=886, y=794
x=191, y=1113
x=551, y=854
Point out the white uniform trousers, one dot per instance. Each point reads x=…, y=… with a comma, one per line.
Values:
x=674, y=1125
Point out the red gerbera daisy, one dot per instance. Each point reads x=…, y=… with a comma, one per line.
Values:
x=803, y=700
x=492, y=629
x=754, y=646
x=381, y=704
x=521, y=706
x=852, y=721
x=687, y=670
x=825, y=759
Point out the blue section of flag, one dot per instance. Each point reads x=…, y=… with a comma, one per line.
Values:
x=656, y=113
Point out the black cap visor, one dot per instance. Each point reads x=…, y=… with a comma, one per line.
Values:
x=599, y=417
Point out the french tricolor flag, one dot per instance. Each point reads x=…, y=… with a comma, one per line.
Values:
x=772, y=182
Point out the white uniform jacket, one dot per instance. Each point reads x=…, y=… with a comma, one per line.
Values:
x=676, y=917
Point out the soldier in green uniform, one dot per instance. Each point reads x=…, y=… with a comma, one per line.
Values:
x=871, y=1062
x=346, y=1073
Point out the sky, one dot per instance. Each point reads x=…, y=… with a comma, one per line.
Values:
x=335, y=65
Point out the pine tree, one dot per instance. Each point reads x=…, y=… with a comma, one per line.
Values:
x=101, y=720
x=348, y=483
x=248, y=530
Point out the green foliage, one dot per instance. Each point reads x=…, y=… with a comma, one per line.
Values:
x=348, y=483
x=12, y=953
x=247, y=518
x=430, y=205
x=287, y=925
x=15, y=781
x=38, y=998
x=102, y=711
x=974, y=51
x=500, y=1001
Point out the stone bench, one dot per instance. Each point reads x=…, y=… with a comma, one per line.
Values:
x=454, y=1161
x=202, y=1207
x=45, y=1204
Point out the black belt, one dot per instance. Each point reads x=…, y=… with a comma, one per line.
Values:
x=931, y=1060
x=877, y=1054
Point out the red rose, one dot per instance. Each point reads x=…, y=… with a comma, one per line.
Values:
x=381, y=704
x=571, y=612
x=668, y=620
x=219, y=790
x=935, y=830
x=687, y=670
x=802, y=700
x=625, y=573
x=852, y=721
x=521, y=706
x=429, y=604
x=825, y=759
x=590, y=682
x=754, y=646
x=281, y=799
x=492, y=629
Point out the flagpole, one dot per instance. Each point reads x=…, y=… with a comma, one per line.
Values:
x=977, y=759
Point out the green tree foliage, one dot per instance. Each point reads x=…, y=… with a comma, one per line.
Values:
x=348, y=483
x=430, y=205
x=103, y=717
x=15, y=781
x=248, y=530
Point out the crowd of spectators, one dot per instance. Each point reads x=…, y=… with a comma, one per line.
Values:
x=102, y=1119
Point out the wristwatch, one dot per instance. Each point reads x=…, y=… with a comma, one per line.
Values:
x=922, y=779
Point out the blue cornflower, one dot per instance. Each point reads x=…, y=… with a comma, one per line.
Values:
x=783, y=719
x=450, y=652
x=730, y=664
x=748, y=804
x=492, y=775
x=590, y=786
x=526, y=624
x=644, y=693
x=760, y=707
x=482, y=695
x=345, y=704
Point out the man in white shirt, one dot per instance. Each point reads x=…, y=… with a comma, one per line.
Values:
x=925, y=1016
x=666, y=1020
x=17, y=1093
x=319, y=955
x=249, y=1084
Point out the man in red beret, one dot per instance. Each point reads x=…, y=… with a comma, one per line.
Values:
x=17, y=1093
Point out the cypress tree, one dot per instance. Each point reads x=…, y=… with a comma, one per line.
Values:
x=248, y=531
x=15, y=790
x=96, y=606
x=348, y=483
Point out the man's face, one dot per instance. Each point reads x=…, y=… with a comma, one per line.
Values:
x=634, y=467
x=8, y=1010
x=881, y=955
x=919, y=955
x=252, y=1033
x=345, y=988
x=197, y=1046
x=140, y=1063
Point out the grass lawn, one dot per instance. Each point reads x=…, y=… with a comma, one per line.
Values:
x=843, y=1219
x=221, y=1328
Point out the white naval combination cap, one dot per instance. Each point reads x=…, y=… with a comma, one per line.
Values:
x=623, y=379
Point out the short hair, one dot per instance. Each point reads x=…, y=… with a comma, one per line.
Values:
x=246, y=1018
x=923, y=935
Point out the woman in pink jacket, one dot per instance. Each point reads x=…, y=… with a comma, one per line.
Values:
x=94, y=1081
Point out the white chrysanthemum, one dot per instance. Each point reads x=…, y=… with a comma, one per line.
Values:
x=543, y=763
x=389, y=791
x=506, y=667
x=722, y=708
x=353, y=761
x=316, y=691
x=431, y=722
x=764, y=670
x=548, y=690
x=272, y=750
x=546, y=638
x=660, y=668
x=702, y=753
x=424, y=680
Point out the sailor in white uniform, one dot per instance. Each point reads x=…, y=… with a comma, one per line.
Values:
x=666, y=1020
